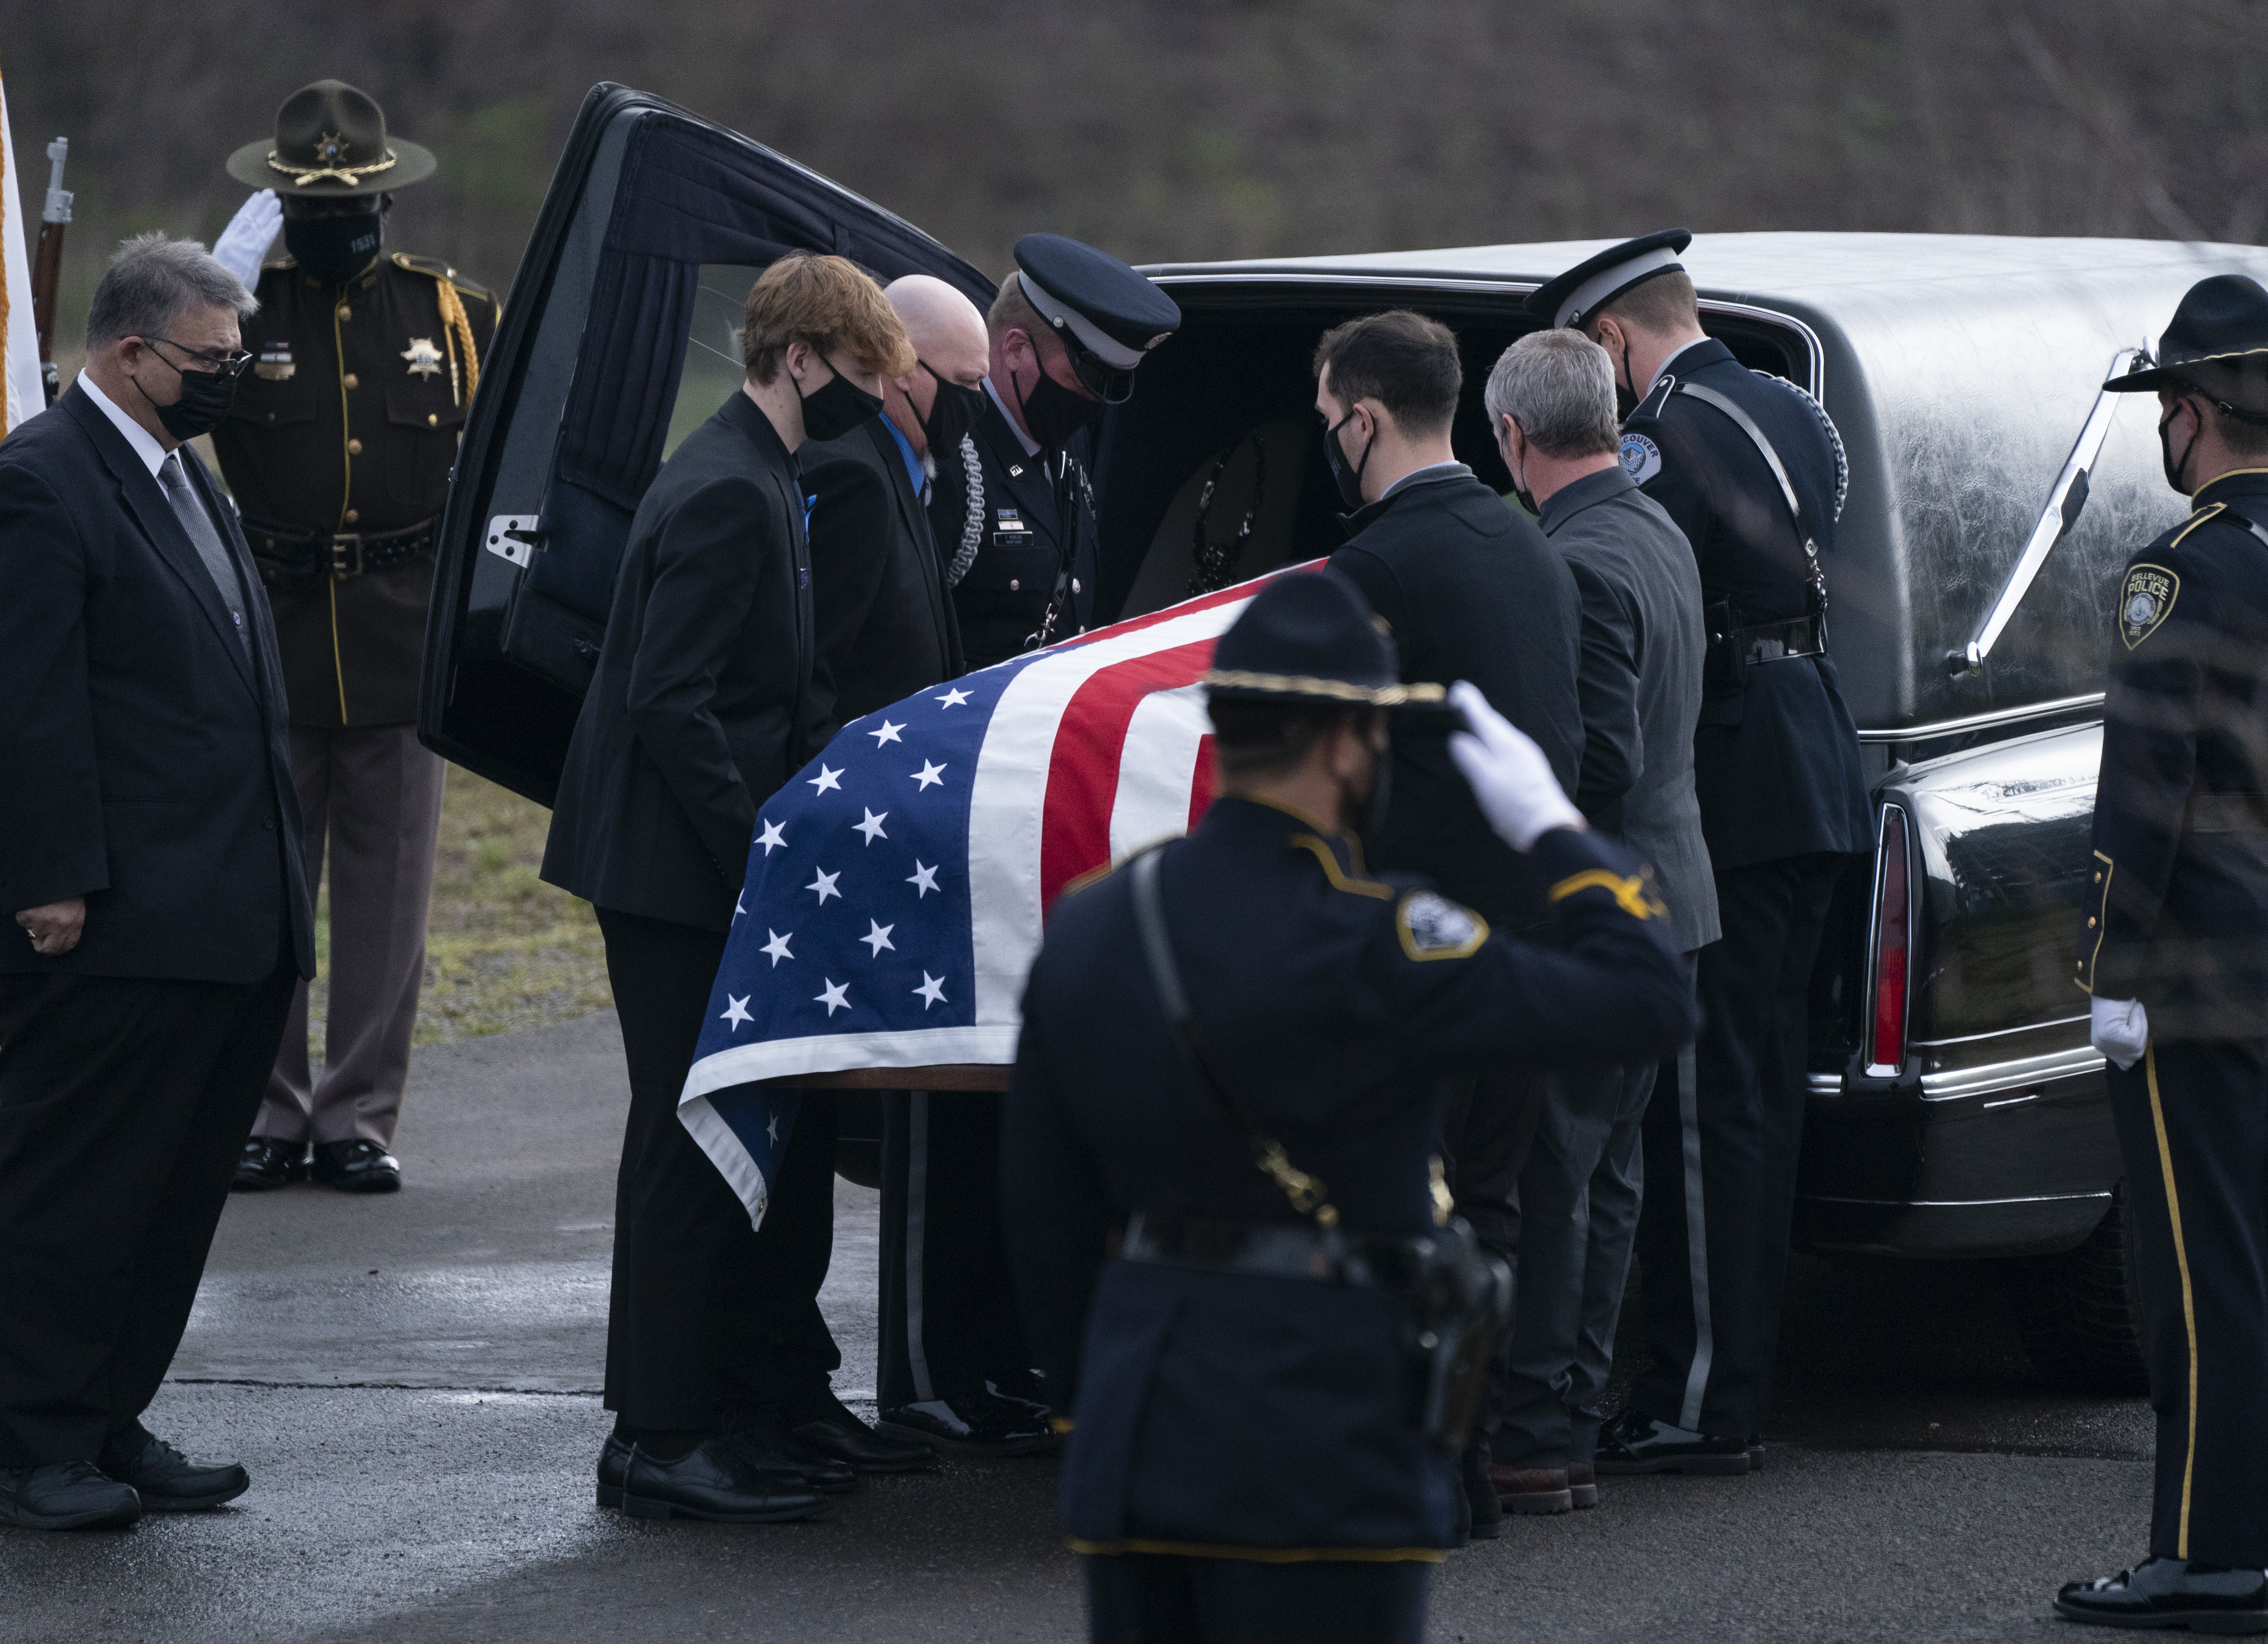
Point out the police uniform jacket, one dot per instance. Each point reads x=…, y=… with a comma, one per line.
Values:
x=1023, y=504
x=1470, y=590
x=339, y=440
x=2176, y=912
x=1776, y=765
x=1227, y=1412
x=700, y=707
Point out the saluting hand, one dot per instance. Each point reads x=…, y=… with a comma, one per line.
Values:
x=54, y=929
x=1509, y=775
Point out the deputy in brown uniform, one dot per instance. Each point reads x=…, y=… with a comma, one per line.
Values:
x=338, y=450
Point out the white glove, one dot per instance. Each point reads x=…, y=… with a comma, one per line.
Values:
x=2119, y=1029
x=244, y=241
x=1509, y=774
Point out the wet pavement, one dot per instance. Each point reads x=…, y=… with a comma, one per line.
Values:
x=413, y=1381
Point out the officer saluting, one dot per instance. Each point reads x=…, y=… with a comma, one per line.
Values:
x=1751, y=470
x=338, y=450
x=1252, y=1455
x=2174, y=947
x=1014, y=516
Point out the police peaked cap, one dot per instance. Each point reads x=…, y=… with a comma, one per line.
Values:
x=331, y=139
x=2217, y=344
x=1309, y=635
x=1590, y=285
x=1114, y=312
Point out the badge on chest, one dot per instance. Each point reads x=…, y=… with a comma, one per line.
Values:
x=425, y=358
x=1008, y=529
x=275, y=362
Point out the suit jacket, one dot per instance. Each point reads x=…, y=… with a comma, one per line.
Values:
x=1471, y=591
x=144, y=757
x=885, y=627
x=1640, y=683
x=700, y=707
x=1029, y=503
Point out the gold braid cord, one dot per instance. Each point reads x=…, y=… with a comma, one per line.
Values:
x=458, y=326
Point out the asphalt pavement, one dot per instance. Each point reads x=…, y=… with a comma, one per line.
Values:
x=413, y=1381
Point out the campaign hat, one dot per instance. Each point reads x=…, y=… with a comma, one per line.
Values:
x=331, y=139
x=1310, y=636
x=1573, y=297
x=1108, y=316
x=2216, y=343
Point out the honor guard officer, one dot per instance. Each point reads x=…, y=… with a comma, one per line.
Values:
x=1751, y=470
x=338, y=451
x=2173, y=945
x=1232, y=1080
x=1015, y=515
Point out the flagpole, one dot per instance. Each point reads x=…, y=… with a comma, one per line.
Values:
x=47, y=265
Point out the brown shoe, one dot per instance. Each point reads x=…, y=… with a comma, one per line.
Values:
x=1583, y=1484
x=1527, y=1490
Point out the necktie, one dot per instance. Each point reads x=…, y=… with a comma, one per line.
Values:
x=191, y=513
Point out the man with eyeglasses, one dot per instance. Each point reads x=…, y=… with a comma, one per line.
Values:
x=150, y=865
x=338, y=450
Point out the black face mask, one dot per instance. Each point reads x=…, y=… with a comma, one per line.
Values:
x=1626, y=390
x=833, y=411
x=206, y=396
x=953, y=413
x=334, y=249
x=1347, y=477
x=2176, y=466
x=1520, y=487
x=1052, y=413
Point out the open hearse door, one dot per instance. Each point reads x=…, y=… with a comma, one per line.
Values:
x=618, y=338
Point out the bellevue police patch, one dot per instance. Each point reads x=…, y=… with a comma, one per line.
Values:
x=1435, y=927
x=1641, y=458
x=2144, y=599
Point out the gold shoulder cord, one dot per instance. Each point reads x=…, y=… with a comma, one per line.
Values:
x=457, y=327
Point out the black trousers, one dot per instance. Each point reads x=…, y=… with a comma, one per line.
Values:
x=1157, y=1598
x=2192, y=1123
x=124, y=1103
x=948, y=1305
x=706, y=1314
x=1722, y=1134
x=1490, y=1128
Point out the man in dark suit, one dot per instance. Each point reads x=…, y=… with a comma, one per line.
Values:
x=147, y=823
x=1551, y=404
x=717, y=1356
x=1469, y=590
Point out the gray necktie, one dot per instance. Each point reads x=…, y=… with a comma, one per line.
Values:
x=191, y=513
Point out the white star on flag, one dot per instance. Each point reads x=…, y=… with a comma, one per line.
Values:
x=824, y=884
x=923, y=881
x=777, y=946
x=888, y=734
x=872, y=827
x=824, y=780
x=772, y=837
x=834, y=997
x=771, y=1129
x=736, y=1011
x=928, y=776
x=951, y=699
x=737, y=909
x=877, y=936
x=932, y=989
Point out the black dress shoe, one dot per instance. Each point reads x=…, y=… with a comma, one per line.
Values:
x=268, y=1162
x=66, y=1495
x=167, y=1480
x=764, y=1441
x=840, y=1435
x=1636, y=1443
x=614, y=1467
x=2171, y=1593
x=971, y=1423
x=715, y=1483
x=356, y=1166
x=1023, y=1387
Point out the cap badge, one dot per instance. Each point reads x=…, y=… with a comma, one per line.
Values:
x=332, y=147
x=424, y=359
x=2144, y=600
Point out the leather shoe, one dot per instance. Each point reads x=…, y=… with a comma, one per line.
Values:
x=715, y=1483
x=66, y=1495
x=842, y=1437
x=614, y=1467
x=1636, y=1443
x=267, y=1163
x=1582, y=1484
x=167, y=1480
x=971, y=1423
x=2171, y=1593
x=764, y=1441
x=1533, y=1490
x=1484, y=1514
x=356, y=1165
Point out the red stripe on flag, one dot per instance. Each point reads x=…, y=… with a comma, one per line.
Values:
x=1200, y=782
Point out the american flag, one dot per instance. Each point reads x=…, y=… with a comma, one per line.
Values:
x=896, y=886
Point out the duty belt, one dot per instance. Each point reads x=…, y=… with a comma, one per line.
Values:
x=290, y=555
x=1327, y=1257
x=2228, y=813
x=1781, y=642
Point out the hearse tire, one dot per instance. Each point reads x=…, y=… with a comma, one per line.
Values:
x=2079, y=1314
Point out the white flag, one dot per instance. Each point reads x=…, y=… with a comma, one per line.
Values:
x=19, y=340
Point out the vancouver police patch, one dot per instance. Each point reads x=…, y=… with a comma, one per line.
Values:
x=1435, y=927
x=2144, y=599
x=1641, y=458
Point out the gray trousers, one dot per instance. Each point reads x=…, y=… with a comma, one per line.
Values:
x=373, y=793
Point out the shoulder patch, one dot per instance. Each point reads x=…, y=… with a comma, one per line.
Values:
x=2144, y=599
x=1431, y=926
x=1641, y=457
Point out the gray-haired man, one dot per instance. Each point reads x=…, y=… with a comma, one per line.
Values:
x=1551, y=404
x=147, y=856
